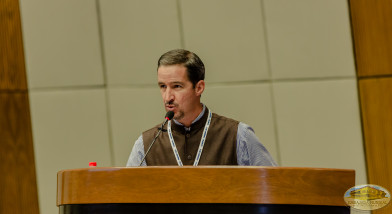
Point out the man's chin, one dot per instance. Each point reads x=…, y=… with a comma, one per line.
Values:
x=178, y=116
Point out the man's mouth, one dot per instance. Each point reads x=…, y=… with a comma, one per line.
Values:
x=170, y=107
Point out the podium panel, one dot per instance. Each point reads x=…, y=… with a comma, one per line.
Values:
x=203, y=189
x=200, y=209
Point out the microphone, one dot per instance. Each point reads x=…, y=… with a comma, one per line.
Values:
x=169, y=115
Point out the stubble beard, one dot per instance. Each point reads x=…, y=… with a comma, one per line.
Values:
x=180, y=115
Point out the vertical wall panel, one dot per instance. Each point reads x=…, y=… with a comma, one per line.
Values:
x=12, y=67
x=372, y=28
x=319, y=125
x=372, y=31
x=309, y=38
x=376, y=102
x=377, y=126
x=62, y=43
x=70, y=129
x=229, y=36
x=135, y=34
x=18, y=188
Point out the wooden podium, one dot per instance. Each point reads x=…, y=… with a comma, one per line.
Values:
x=203, y=189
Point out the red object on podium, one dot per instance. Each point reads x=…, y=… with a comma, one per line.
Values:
x=92, y=164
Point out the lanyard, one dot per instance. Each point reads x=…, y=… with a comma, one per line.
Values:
x=201, y=145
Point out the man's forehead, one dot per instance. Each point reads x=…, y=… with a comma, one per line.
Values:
x=172, y=73
x=172, y=67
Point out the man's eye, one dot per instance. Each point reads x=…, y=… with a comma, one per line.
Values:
x=162, y=86
x=177, y=86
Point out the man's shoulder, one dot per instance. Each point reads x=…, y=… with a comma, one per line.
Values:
x=226, y=120
x=152, y=130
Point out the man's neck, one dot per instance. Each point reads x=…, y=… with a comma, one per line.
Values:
x=195, y=116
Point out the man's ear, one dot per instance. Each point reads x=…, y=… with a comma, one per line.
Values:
x=199, y=87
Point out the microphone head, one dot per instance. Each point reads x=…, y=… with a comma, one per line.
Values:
x=169, y=115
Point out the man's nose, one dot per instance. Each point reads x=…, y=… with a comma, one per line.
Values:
x=168, y=96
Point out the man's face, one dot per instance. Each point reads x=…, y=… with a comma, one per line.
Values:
x=178, y=93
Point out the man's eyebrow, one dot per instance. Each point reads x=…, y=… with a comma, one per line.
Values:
x=175, y=82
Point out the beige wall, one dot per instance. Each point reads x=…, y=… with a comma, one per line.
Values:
x=284, y=67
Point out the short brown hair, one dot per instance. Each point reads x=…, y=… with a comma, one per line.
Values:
x=194, y=65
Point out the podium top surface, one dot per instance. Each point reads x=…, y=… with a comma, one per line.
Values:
x=204, y=184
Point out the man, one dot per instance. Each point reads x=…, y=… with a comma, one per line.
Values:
x=195, y=136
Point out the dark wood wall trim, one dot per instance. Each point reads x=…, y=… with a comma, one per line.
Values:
x=372, y=33
x=377, y=126
x=18, y=186
x=12, y=64
x=372, y=29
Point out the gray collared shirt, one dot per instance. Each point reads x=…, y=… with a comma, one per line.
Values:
x=250, y=151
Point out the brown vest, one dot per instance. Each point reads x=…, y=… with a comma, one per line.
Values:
x=219, y=147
